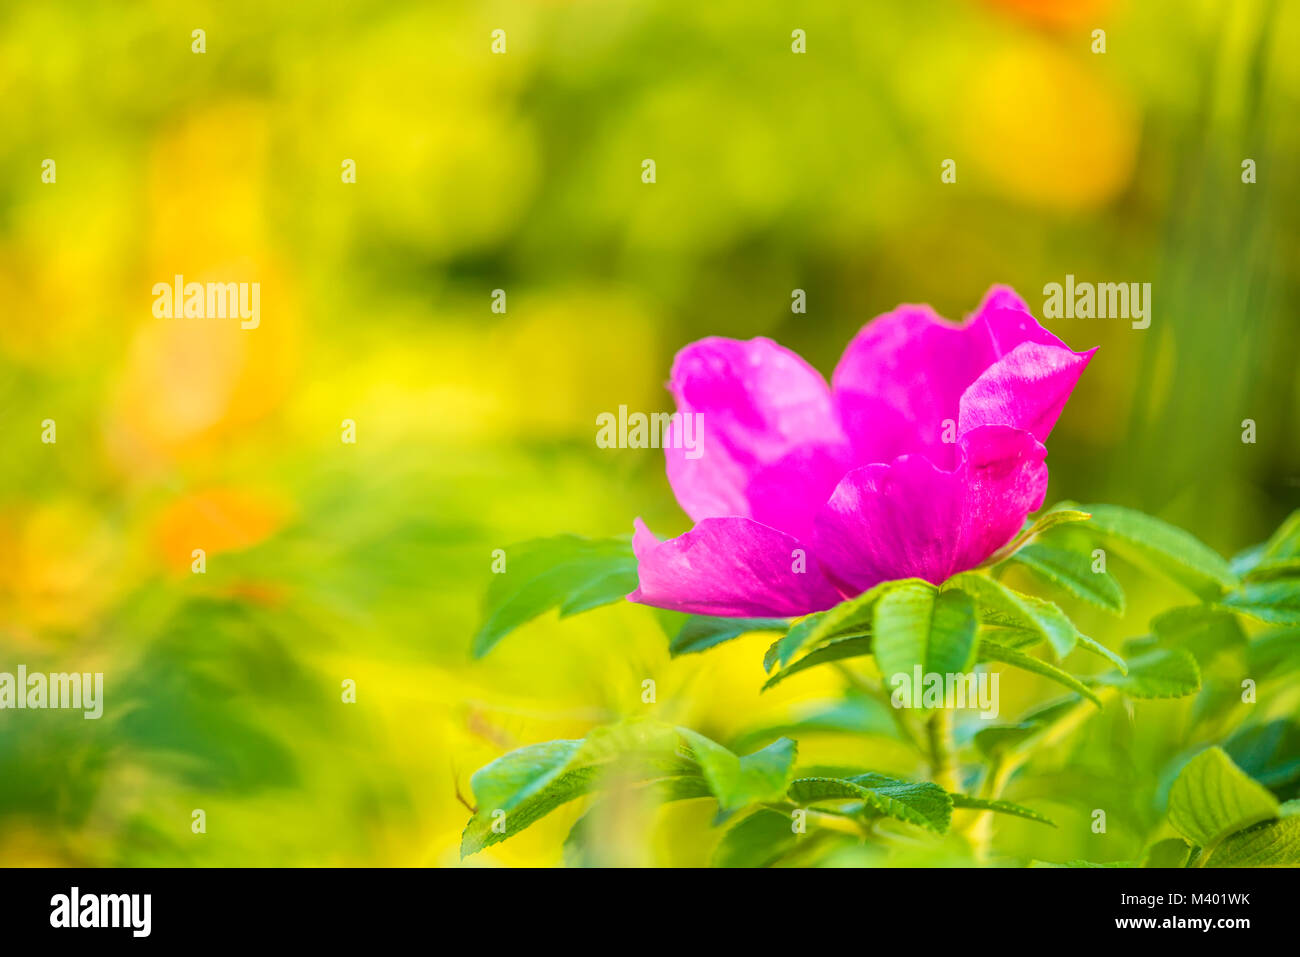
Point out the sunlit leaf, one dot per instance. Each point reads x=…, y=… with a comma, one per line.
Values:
x=1000, y=807
x=701, y=632
x=1164, y=673
x=918, y=625
x=1073, y=573
x=999, y=604
x=566, y=572
x=1276, y=602
x=1164, y=548
x=1212, y=798
x=989, y=651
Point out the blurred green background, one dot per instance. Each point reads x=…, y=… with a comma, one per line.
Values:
x=775, y=171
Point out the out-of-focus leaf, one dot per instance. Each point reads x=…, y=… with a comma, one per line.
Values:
x=1278, y=557
x=582, y=847
x=187, y=702
x=756, y=840
x=998, y=739
x=837, y=650
x=1276, y=602
x=533, y=782
x=1268, y=752
x=1171, y=852
x=567, y=572
x=1165, y=549
x=1203, y=630
x=701, y=632
x=740, y=781
x=521, y=787
x=1274, y=653
x=1164, y=673
x=1000, y=807
x=856, y=714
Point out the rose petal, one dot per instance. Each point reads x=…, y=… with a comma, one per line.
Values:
x=789, y=493
x=1026, y=389
x=899, y=379
x=1000, y=297
x=732, y=567
x=644, y=541
x=910, y=518
x=759, y=401
x=903, y=376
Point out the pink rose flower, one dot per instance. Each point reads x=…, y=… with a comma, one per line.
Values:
x=922, y=458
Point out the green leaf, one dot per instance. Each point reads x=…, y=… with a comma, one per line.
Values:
x=1166, y=549
x=1089, y=864
x=752, y=779
x=1269, y=751
x=1245, y=560
x=921, y=803
x=1203, y=630
x=1270, y=844
x=1058, y=515
x=1276, y=558
x=1097, y=648
x=1275, y=602
x=1073, y=573
x=848, y=617
x=512, y=778
x=567, y=572
x=1000, y=807
x=1171, y=852
x=1212, y=798
x=1002, y=605
x=700, y=632
x=757, y=840
x=997, y=740
x=1275, y=568
x=584, y=847
x=641, y=738
x=917, y=624
x=856, y=714
x=990, y=651
x=837, y=650
x=1275, y=653
x=1164, y=673
x=1285, y=542
x=521, y=788
x=527, y=784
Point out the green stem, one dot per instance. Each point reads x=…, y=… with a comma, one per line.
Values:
x=979, y=825
x=943, y=769
x=876, y=691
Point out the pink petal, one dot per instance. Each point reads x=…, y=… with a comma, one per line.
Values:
x=789, y=493
x=899, y=379
x=903, y=376
x=1000, y=297
x=759, y=402
x=1026, y=389
x=644, y=541
x=910, y=518
x=732, y=567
